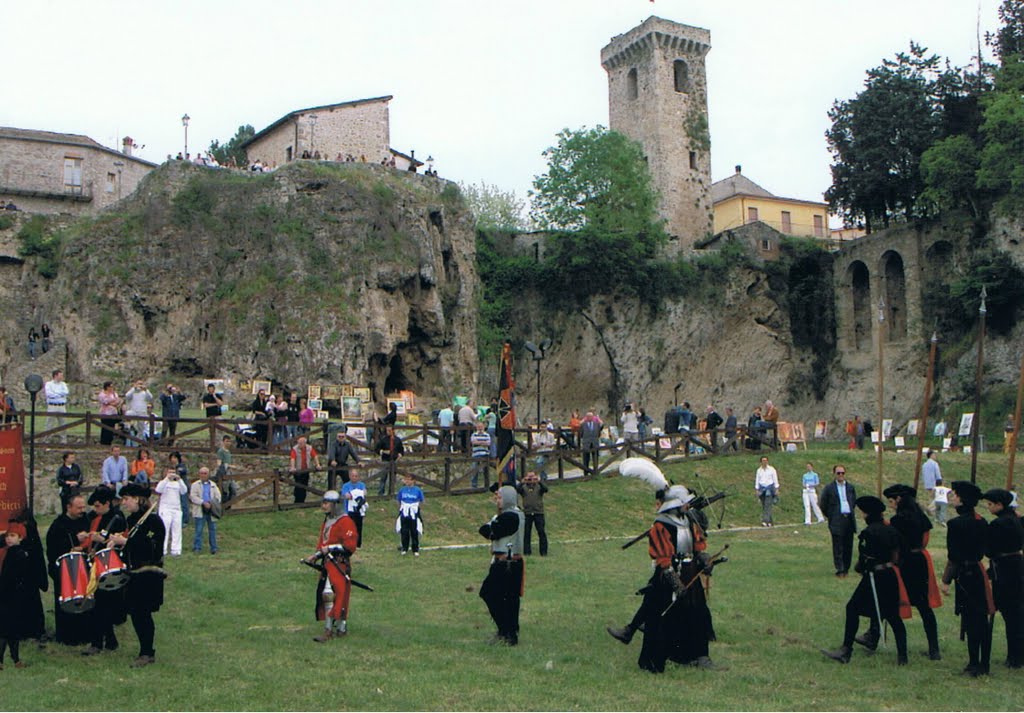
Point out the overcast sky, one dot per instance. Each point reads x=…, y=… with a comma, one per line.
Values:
x=481, y=85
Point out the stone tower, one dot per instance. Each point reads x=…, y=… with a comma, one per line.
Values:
x=657, y=94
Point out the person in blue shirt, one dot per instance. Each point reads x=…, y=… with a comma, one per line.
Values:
x=410, y=522
x=810, y=492
x=115, y=469
x=353, y=494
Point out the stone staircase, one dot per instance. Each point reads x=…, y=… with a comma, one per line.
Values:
x=43, y=364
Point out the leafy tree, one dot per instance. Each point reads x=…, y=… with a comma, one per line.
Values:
x=949, y=170
x=494, y=208
x=878, y=137
x=1008, y=41
x=598, y=181
x=232, y=152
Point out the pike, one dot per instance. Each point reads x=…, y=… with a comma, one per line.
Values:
x=320, y=568
x=878, y=609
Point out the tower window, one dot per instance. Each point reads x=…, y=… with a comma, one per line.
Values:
x=631, y=87
x=693, y=159
x=681, y=73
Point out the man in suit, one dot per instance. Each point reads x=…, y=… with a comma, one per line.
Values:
x=837, y=502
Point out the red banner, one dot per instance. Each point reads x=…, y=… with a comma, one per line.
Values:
x=12, y=477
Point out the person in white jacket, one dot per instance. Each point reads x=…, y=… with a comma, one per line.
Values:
x=205, y=498
x=170, y=489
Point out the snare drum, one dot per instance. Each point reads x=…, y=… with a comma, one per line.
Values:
x=74, y=582
x=111, y=574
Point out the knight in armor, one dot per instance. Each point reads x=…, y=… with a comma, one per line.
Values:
x=142, y=548
x=106, y=518
x=503, y=587
x=881, y=592
x=915, y=564
x=1005, y=541
x=337, y=543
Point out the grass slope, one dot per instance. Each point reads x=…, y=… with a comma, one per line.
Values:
x=235, y=632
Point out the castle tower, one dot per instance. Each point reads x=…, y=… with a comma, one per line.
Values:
x=657, y=95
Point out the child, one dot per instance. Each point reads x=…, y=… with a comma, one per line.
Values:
x=16, y=589
x=941, y=501
x=409, y=523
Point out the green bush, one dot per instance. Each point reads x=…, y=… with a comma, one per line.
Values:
x=37, y=243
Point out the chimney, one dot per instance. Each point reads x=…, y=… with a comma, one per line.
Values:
x=126, y=145
x=739, y=169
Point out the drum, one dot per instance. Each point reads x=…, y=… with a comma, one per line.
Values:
x=111, y=574
x=74, y=582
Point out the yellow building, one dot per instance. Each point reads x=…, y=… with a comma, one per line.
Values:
x=739, y=201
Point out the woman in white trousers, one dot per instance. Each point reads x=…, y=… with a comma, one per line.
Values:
x=170, y=489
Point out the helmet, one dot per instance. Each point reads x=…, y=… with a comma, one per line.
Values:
x=332, y=496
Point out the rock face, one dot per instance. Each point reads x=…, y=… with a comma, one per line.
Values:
x=335, y=273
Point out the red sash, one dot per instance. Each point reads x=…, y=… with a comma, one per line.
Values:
x=905, y=609
x=934, y=596
x=990, y=603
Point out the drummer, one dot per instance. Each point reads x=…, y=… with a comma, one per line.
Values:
x=68, y=533
x=106, y=518
x=142, y=547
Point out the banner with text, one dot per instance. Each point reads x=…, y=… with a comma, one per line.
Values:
x=12, y=476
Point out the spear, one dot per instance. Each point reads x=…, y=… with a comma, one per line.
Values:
x=922, y=424
x=1016, y=427
x=976, y=423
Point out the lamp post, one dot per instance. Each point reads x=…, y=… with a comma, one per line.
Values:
x=976, y=422
x=184, y=122
x=33, y=384
x=430, y=165
x=537, y=351
x=880, y=427
x=312, y=133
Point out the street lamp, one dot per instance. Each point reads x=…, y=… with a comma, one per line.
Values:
x=312, y=132
x=184, y=122
x=537, y=351
x=430, y=164
x=33, y=384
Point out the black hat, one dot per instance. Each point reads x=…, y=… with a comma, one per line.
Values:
x=998, y=495
x=968, y=492
x=870, y=505
x=899, y=490
x=102, y=494
x=135, y=489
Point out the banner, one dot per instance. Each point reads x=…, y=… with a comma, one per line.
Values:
x=506, y=418
x=12, y=477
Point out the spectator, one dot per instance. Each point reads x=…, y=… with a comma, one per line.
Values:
x=115, y=470
x=44, y=331
x=224, y=469
x=205, y=498
x=466, y=418
x=33, y=337
x=837, y=501
x=212, y=402
x=713, y=421
x=410, y=521
x=260, y=417
x=306, y=416
x=354, y=495
x=630, y=424
x=56, y=393
x=731, y=428
x=390, y=449
x=755, y=430
x=178, y=463
x=292, y=410
x=480, y=442
x=445, y=421
x=574, y=427
x=170, y=410
x=492, y=426
x=69, y=477
x=766, y=484
x=532, y=491
x=8, y=411
x=544, y=444
x=590, y=442
x=810, y=495
x=303, y=458
x=930, y=475
x=941, y=501
x=171, y=489
x=644, y=424
x=143, y=468
x=109, y=403
x=139, y=404
x=339, y=453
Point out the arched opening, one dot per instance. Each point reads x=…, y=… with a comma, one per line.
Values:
x=860, y=289
x=938, y=258
x=895, y=292
x=681, y=75
x=632, y=91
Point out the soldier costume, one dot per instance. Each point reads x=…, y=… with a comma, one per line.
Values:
x=1005, y=541
x=881, y=592
x=337, y=543
x=503, y=587
x=965, y=545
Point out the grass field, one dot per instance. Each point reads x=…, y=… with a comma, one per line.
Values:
x=235, y=631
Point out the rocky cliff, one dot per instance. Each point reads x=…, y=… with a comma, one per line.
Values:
x=340, y=273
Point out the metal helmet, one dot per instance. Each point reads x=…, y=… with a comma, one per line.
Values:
x=332, y=496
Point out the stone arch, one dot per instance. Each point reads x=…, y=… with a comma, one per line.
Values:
x=938, y=258
x=681, y=76
x=894, y=286
x=859, y=278
x=632, y=88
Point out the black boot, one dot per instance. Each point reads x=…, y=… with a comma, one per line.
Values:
x=625, y=634
x=842, y=654
x=869, y=639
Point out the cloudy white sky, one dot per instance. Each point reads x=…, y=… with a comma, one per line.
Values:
x=481, y=85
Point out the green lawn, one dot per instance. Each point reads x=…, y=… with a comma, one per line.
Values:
x=236, y=629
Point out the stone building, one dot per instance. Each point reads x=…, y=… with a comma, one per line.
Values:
x=49, y=172
x=657, y=94
x=359, y=128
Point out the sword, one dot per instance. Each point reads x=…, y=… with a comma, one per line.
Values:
x=878, y=609
x=321, y=568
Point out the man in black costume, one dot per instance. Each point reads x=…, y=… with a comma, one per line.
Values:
x=69, y=532
x=503, y=587
x=1005, y=541
x=106, y=518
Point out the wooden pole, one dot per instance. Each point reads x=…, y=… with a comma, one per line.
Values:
x=922, y=422
x=976, y=422
x=881, y=393
x=1016, y=427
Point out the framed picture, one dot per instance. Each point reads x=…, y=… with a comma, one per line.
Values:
x=900, y=442
x=402, y=407
x=912, y=426
x=259, y=385
x=874, y=437
x=357, y=433
x=351, y=408
x=409, y=397
x=322, y=415
x=362, y=393
x=330, y=392
x=940, y=429
x=313, y=392
x=315, y=404
x=887, y=427
x=244, y=385
x=966, y=424
x=821, y=429
x=347, y=390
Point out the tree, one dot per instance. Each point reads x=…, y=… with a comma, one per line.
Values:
x=1008, y=41
x=232, y=152
x=878, y=137
x=598, y=181
x=494, y=208
x=949, y=169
